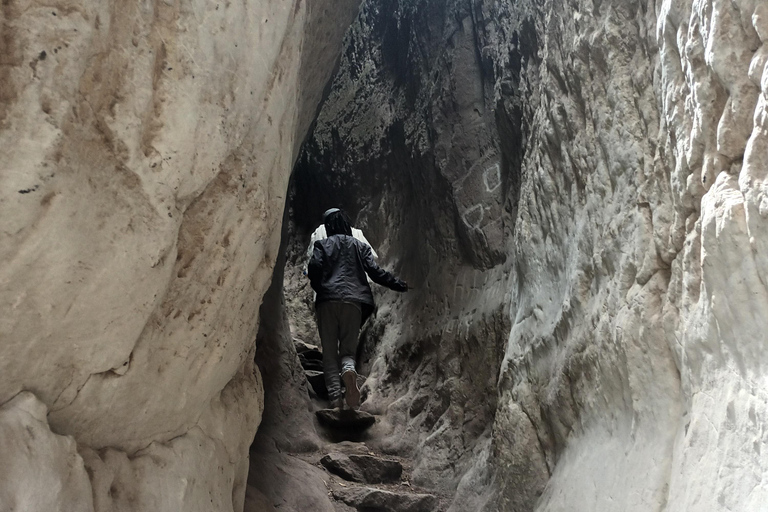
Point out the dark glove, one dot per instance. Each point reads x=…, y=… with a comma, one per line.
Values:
x=400, y=286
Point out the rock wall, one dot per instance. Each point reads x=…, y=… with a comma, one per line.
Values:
x=632, y=352
x=576, y=192
x=715, y=103
x=146, y=150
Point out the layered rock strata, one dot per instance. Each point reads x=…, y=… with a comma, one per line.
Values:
x=576, y=192
x=146, y=149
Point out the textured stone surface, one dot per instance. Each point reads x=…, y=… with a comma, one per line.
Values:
x=409, y=149
x=288, y=484
x=378, y=500
x=340, y=464
x=631, y=359
x=316, y=379
x=363, y=468
x=589, y=381
x=377, y=470
x=720, y=141
x=310, y=362
x=575, y=190
x=40, y=470
x=204, y=469
x=146, y=150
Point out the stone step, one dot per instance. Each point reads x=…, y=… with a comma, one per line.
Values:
x=317, y=381
x=369, y=499
x=363, y=468
x=345, y=419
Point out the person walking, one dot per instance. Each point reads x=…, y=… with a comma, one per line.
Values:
x=337, y=272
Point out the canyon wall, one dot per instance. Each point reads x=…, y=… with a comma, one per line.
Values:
x=146, y=149
x=575, y=190
x=634, y=352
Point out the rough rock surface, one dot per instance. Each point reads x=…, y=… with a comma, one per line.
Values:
x=288, y=484
x=146, y=150
x=366, y=499
x=340, y=464
x=363, y=468
x=316, y=380
x=40, y=470
x=577, y=192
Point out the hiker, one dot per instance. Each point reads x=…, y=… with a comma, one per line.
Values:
x=337, y=272
x=320, y=234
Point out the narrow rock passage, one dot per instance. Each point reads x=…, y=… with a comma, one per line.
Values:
x=435, y=187
x=309, y=457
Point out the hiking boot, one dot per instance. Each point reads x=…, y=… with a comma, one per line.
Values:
x=352, y=392
x=337, y=403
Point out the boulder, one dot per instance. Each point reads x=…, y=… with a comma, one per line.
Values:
x=362, y=468
x=377, y=470
x=287, y=484
x=376, y=500
x=302, y=346
x=340, y=464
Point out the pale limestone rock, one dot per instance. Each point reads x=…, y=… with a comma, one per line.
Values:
x=657, y=405
x=40, y=470
x=146, y=149
x=717, y=461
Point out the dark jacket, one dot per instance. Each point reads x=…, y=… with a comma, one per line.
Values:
x=338, y=268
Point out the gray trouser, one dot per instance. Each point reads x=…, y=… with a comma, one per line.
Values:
x=339, y=326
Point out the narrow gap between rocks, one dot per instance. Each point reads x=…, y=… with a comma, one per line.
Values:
x=434, y=186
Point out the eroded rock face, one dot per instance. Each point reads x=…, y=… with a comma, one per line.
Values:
x=576, y=192
x=146, y=149
x=718, y=280
x=41, y=470
x=631, y=362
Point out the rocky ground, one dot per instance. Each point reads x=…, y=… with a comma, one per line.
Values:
x=345, y=471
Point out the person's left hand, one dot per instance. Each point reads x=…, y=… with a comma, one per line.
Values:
x=400, y=286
